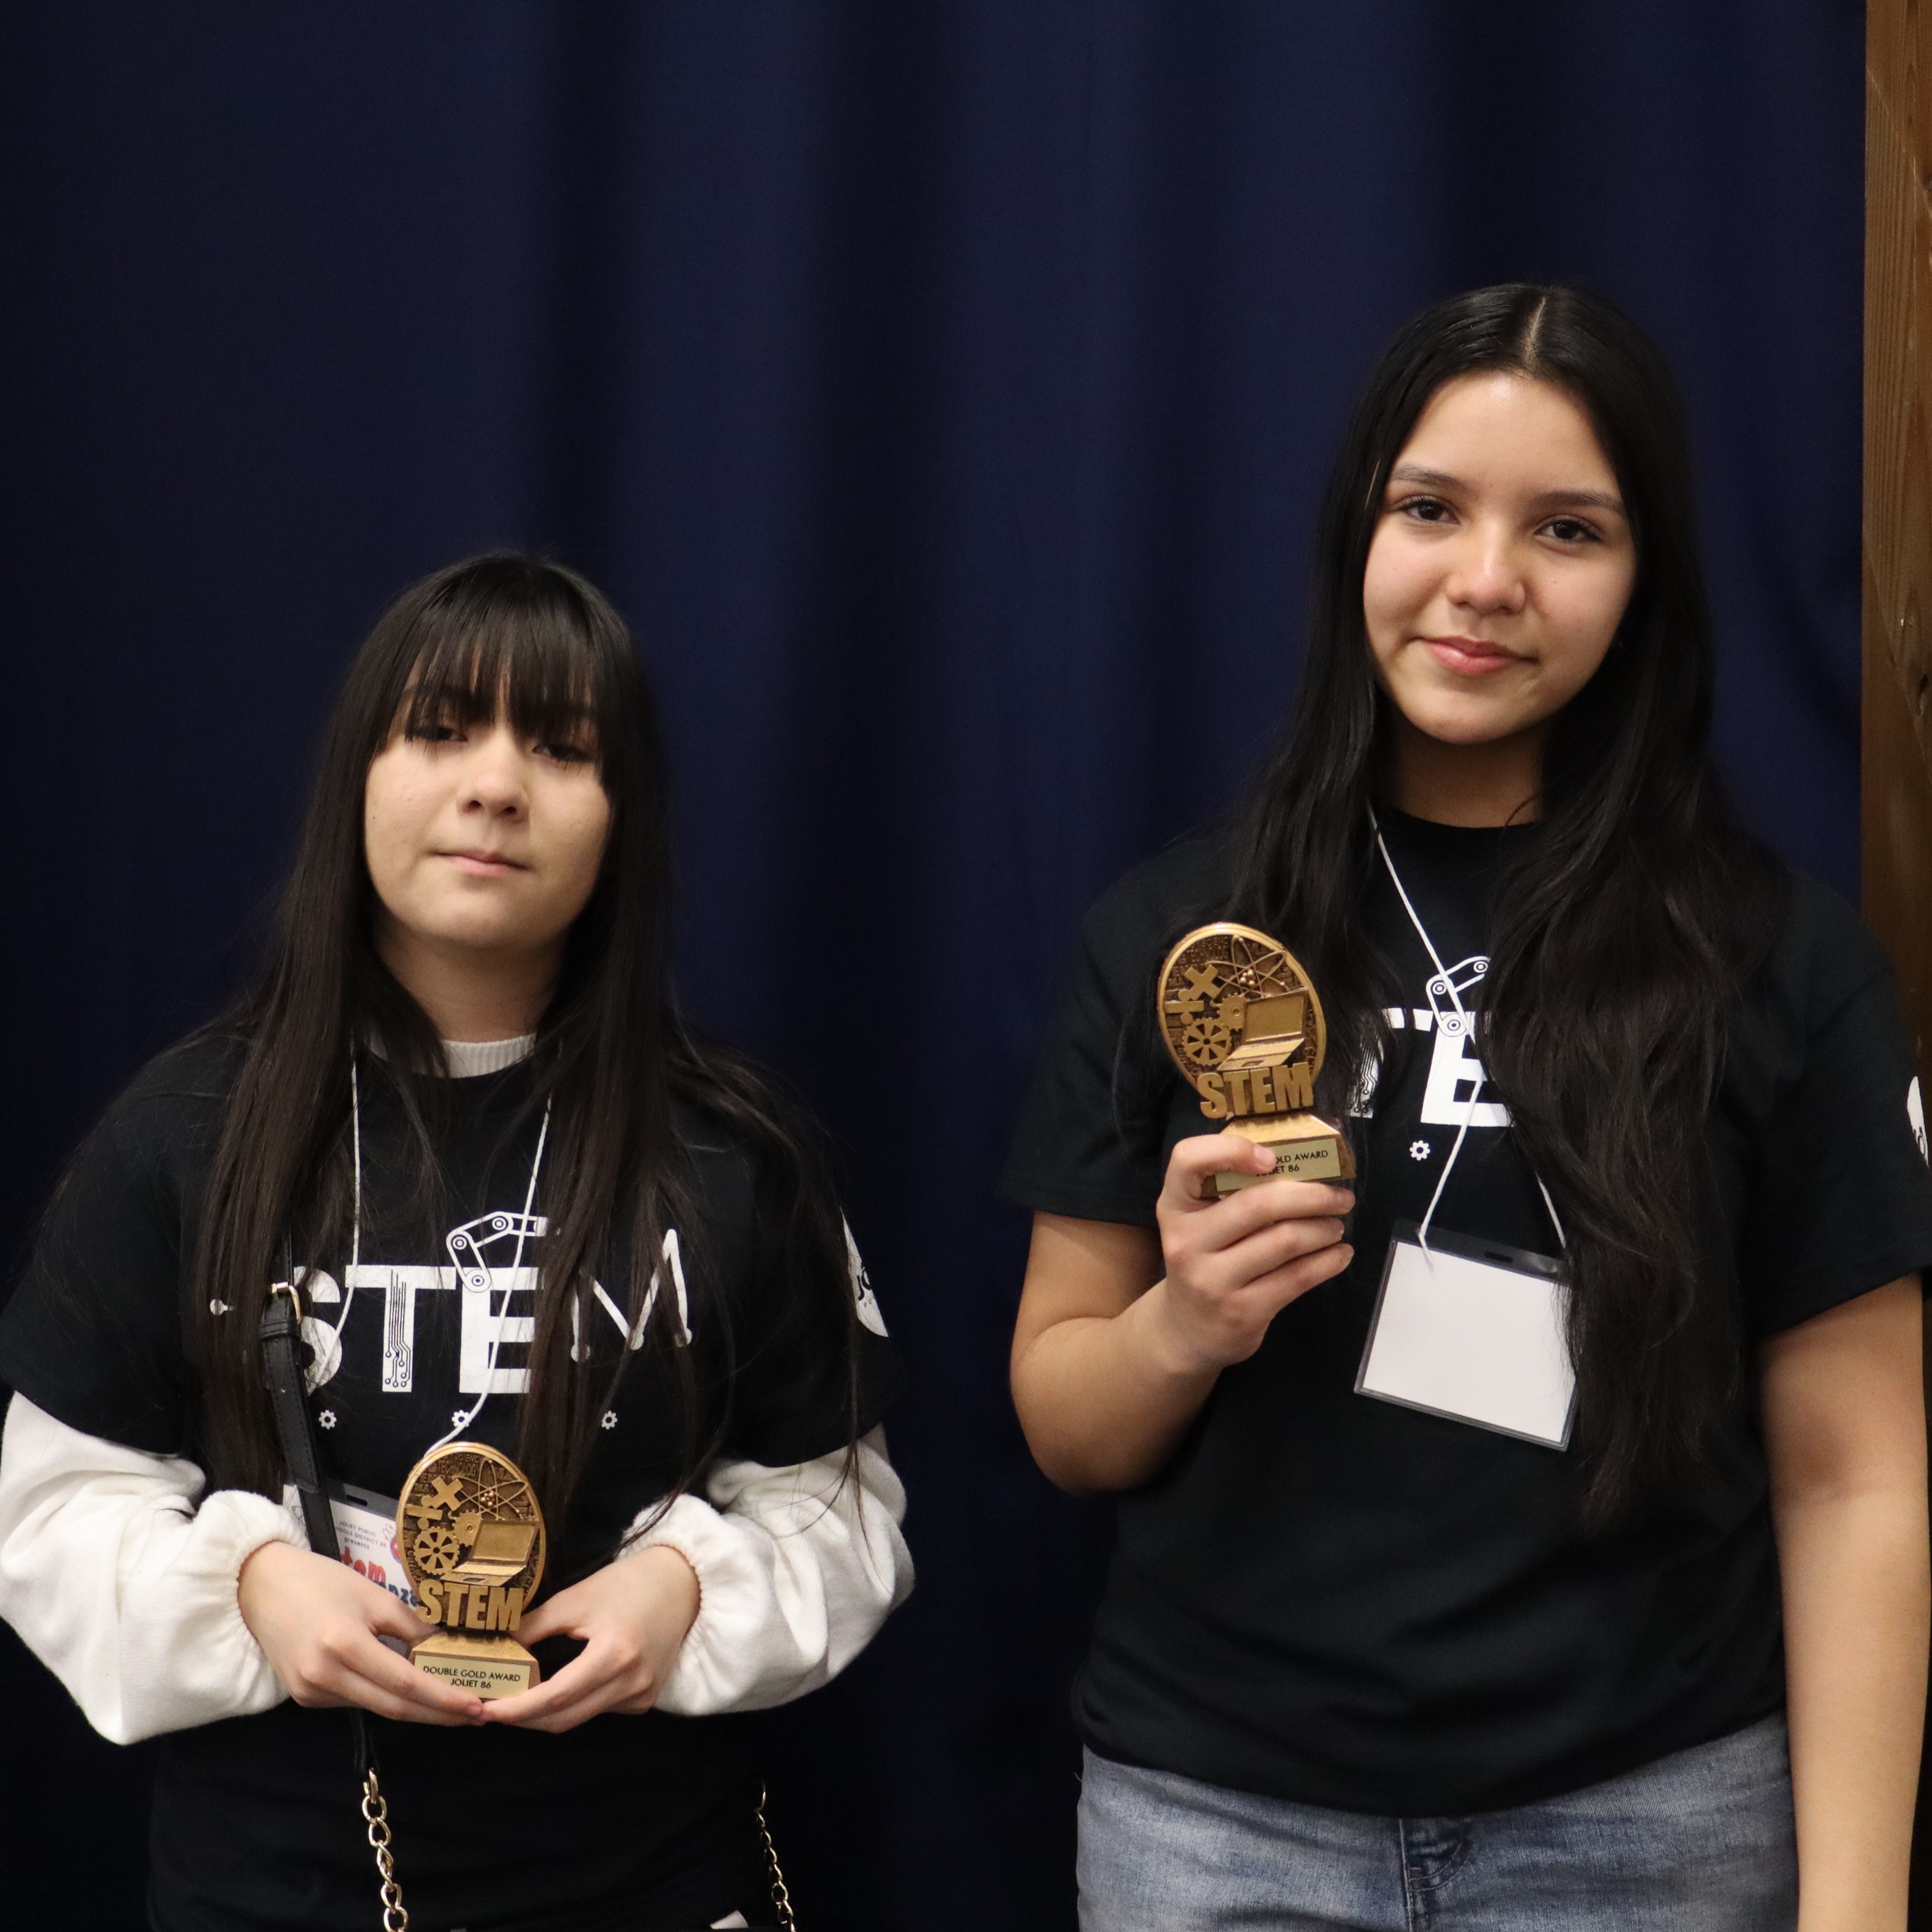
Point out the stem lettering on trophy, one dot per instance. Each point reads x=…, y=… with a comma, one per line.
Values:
x=1213, y=1097
x=429, y=1593
x=1237, y=1090
x=452, y=1609
x=1295, y=1085
x=476, y=1612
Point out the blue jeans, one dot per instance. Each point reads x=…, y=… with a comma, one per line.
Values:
x=1699, y=1842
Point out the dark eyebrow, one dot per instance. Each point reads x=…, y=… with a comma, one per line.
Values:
x=1578, y=499
x=1582, y=500
x=1430, y=479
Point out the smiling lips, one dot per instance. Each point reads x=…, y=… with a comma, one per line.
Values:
x=1470, y=657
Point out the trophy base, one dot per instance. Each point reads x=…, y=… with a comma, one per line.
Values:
x=1305, y=1147
x=489, y=1666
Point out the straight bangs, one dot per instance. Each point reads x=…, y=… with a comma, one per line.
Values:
x=523, y=644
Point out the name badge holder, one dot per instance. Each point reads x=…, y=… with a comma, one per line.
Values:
x=1473, y=1331
x=365, y=1531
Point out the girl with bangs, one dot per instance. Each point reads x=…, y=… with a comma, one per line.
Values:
x=461, y=1052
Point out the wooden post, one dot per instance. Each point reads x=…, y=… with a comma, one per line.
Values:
x=1898, y=550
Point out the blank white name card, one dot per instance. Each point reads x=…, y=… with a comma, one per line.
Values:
x=1473, y=1331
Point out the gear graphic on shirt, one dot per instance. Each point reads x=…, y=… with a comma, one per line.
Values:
x=610, y=1419
x=1420, y=1150
x=326, y=1419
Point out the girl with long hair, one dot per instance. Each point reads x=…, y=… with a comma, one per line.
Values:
x=1530, y=1531
x=520, y=1204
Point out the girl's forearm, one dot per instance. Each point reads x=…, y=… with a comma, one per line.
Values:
x=1854, y=1566
x=1103, y=1400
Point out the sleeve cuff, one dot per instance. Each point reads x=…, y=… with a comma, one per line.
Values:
x=202, y=1662
x=722, y=1651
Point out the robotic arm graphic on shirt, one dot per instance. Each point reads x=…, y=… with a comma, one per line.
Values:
x=466, y=1245
x=1451, y=985
x=485, y=1326
x=1457, y=1075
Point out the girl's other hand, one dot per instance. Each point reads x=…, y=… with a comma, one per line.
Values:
x=633, y=1616
x=1233, y=1263
x=319, y=1625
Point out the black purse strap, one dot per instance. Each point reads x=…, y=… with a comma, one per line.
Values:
x=280, y=1336
x=288, y=1390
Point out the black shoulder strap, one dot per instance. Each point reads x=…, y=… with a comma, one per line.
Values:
x=280, y=1334
x=282, y=1369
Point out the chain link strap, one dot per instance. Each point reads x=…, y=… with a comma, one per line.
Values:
x=376, y=1809
x=396, y=1918
x=781, y=1898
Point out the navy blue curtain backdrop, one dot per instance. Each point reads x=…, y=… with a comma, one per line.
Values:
x=943, y=391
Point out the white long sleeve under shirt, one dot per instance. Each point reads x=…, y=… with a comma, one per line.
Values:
x=121, y=1576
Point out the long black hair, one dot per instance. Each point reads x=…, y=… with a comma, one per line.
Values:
x=1625, y=928
x=531, y=640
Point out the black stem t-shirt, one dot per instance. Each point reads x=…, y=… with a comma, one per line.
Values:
x=1334, y=1600
x=644, y=1820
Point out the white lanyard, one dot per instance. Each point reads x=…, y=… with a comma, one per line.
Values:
x=462, y=1420
x=1443, y=983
